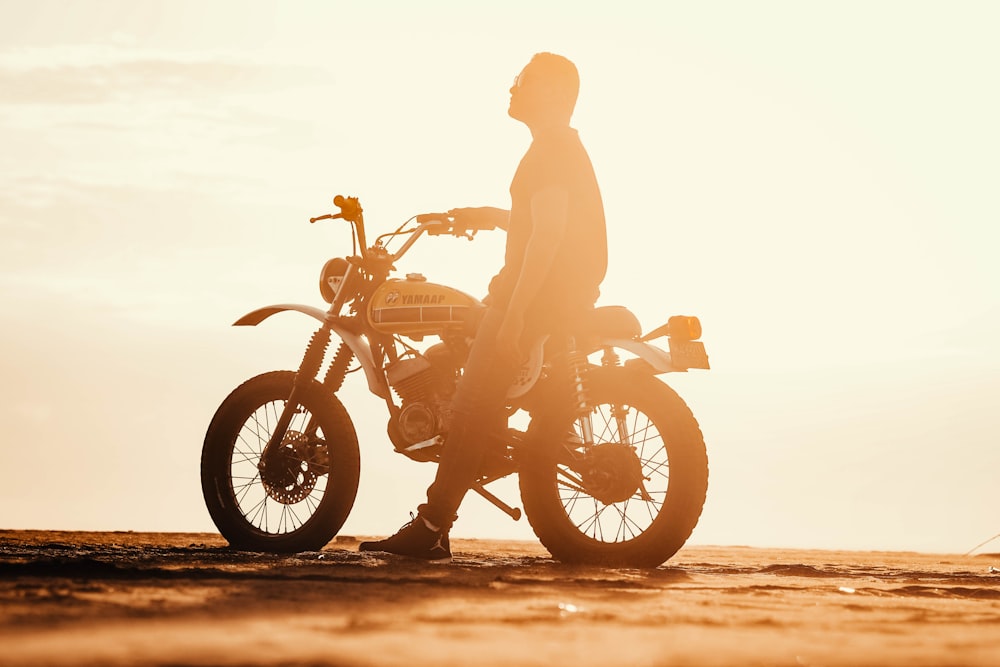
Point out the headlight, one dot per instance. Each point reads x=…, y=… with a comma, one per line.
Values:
x=331, y=277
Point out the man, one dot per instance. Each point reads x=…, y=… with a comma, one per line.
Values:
x=555, y=260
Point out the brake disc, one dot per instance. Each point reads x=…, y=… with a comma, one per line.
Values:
x=291, y=476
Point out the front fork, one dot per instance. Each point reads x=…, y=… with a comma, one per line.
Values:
x=308, y=369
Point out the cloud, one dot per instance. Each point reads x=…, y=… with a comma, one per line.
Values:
x=125, y=74
x=116, y=116
x=103, y=83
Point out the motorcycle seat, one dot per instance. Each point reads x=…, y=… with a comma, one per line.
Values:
x=613, y=322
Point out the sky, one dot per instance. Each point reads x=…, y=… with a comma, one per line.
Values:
x=816, y=181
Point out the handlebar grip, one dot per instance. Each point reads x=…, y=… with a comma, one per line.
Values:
x=442, y=226
x=350, y=208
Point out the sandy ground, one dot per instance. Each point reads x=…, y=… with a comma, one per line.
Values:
x=185, y=599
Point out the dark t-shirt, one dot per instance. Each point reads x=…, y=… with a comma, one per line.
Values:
x=557, y=159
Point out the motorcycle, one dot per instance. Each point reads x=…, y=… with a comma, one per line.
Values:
x=612, y=467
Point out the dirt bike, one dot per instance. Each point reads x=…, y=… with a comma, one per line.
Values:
x=612, y=465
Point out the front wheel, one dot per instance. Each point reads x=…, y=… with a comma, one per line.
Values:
x=635, y=496
x=301, y=498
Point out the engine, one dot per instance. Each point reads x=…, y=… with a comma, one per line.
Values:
x=425, y=384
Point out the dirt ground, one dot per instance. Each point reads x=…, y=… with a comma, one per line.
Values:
x=185, y=599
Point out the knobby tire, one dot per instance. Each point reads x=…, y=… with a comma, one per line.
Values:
x=316, y=504
x=636, y=532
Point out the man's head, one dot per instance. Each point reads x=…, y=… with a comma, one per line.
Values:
x=545, y=91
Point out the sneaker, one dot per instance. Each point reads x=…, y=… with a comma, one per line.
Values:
x=414, y=540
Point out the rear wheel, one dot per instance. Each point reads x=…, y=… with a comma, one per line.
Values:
x=632, y=499
x=302, y=496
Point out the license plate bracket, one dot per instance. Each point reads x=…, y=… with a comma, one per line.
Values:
x=686, y=354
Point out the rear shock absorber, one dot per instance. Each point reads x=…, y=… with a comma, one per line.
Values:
x=581, y=400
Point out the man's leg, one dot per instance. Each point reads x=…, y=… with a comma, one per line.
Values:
x=477, y=412
x=477, y=417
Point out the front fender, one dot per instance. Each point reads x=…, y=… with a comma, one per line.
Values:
x=658, y=359
x=362, y=351
x=255, y=317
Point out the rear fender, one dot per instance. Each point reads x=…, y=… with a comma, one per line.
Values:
x=653, y=360
x=359, y=346
x=658, y=360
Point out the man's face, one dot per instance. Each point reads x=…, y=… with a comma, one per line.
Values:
x=524, y=97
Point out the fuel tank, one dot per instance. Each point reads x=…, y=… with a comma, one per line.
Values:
x=415, y=307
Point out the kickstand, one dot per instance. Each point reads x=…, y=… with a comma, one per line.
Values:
x=513, y=512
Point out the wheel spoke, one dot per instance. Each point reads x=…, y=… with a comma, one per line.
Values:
x=629, y=521
x=605, y=432
x=248, y=457
x=289, y=519
x=241, y=491
x=661, y=468
x=311, y=504
x=258, y=510
x=622, y=525
x=589, y=520
x=573, y=482
x=594, y=521
x=573, y=501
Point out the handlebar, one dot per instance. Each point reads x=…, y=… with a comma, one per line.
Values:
x=434, y=224
x=450, y=224
x=350, y=209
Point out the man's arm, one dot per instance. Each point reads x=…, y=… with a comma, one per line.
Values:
x=549, y=220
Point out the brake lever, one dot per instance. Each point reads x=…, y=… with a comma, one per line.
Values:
x=328, y=216
x=438, y=230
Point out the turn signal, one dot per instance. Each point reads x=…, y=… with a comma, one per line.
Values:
x=684, y=327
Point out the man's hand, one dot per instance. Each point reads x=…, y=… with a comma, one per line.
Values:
x=480, y=217
x=509, y=336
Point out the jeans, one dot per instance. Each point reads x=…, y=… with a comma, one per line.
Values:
x=477, y=413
